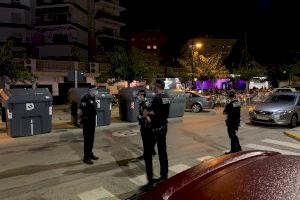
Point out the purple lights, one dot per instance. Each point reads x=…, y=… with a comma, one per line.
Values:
x=220, y=84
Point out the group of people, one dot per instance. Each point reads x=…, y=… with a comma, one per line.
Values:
x=254, y=95
x=153, y=121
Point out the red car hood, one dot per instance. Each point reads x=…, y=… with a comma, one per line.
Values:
x=244, y=175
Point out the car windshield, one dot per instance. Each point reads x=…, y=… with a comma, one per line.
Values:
x=280, y=98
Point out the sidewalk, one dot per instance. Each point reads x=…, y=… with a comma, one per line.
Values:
x=293, y=133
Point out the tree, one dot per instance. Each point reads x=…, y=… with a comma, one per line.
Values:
x=8, y=69
x=129, y=65
x=209, y=67
x=292, y=71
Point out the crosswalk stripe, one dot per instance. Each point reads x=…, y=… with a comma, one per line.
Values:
x=204, y=158
x=282, y=143
x=179, y=168
x=139, y=180
x=267, y=148
x=97, y=194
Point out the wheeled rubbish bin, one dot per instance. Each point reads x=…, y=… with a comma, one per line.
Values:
x=28, y=111
x=103, y=100
x=128, y=104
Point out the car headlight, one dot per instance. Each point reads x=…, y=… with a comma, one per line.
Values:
x=283, y=112
x=251, y=109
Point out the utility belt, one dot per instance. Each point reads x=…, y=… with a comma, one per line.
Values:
x=159, y=129
x=232, y=123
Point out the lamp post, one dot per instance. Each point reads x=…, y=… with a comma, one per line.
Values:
x=193, y=47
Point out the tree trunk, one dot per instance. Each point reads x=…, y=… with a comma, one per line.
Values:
x=247, y=86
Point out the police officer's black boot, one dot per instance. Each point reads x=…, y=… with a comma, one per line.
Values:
x=87, y=161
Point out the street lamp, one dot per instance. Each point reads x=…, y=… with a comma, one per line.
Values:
x=193, y=47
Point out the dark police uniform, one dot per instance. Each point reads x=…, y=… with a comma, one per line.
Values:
x=233, y=110
x=88, y=106
x=146, y=131
x=160, y=106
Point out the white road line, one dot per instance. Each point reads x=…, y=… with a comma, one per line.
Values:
x=204, y=158
x=282, y=143
x=139, y=180
x=96, y=194
x=179, y=168
x=267, y=148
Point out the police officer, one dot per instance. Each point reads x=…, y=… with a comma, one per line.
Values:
x=233, y=110
x=157, y=114
x=144, y=124
x=87, y=117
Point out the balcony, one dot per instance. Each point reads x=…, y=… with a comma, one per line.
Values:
x=110, y=3
x=49, y=2
x=110, y=34
x=110, y=18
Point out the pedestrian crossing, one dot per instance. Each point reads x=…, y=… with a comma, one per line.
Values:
x=283, y=147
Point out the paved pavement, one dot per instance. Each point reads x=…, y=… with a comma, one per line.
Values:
x=49, y=166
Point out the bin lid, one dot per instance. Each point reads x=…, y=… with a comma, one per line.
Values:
x=131, y=93
x=25, y=95
x=76, y=94
x=103, y=94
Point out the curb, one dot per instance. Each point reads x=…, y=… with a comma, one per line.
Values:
x=293, y=135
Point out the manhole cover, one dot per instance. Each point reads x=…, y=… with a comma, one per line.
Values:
x=125, y=133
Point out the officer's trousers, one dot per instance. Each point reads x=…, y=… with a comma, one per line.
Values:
x=234, y=140
x=88, y=137
x=145, y=131
x=159, y=136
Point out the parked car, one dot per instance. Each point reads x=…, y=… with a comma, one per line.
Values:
x=279, y=108
x=197, y=102
x=245, y=175
x=284, y=89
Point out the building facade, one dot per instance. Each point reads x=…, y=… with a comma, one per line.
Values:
x=61, y=29
x=15, y=21
x=108, y=24
x=53, y=38
x=151, y=41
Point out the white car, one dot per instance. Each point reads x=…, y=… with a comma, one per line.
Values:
x=284, y=90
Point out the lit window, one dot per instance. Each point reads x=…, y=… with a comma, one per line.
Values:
x=154, y=47
x=148, y=47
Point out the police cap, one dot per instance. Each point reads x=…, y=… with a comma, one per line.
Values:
x=142, y=92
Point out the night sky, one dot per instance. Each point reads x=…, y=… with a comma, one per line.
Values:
x=271, y=26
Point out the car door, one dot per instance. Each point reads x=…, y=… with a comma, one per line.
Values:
x=298, y=107
x=188, y=100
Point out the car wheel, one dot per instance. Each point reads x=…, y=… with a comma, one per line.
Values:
x=196, y=108
x=294, y=121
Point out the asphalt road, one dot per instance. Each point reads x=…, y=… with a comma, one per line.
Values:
x=49, y=167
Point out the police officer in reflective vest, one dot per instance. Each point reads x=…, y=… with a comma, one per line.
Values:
x=87, y=117
x=144, y=124
x=233, y=110
x=157, y=114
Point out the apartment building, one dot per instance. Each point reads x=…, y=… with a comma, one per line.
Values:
x=108, y=24
x=15, y=25
x=61, y=29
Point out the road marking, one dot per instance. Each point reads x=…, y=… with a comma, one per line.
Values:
x=139, y=180
x=97, y=194
x=266, y=148
x=179, y=168
x=282, y=143
x=201, y=159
